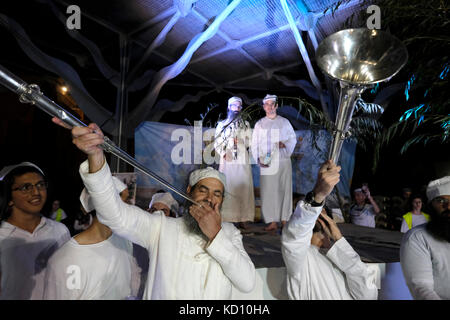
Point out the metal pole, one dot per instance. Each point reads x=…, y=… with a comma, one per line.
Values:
x=122, y=101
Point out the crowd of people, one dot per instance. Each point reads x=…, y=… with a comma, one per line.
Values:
x=195, y=250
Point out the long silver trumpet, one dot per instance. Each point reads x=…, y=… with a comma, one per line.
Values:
x=30, y=93
x=358, y=59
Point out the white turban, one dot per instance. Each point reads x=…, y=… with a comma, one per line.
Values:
x=233, y=99
x=207, y=172
x=4, y=172
x=165, y=198
x=439, y=187
x=270, y=97
x=86, y=200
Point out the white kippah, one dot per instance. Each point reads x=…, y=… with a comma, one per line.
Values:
x=165, y=198
x=358, y=190
x=207, y=172
x=270, y=97
x=233, y=99
x=86, y=200
x=4, y=172
x=439, y=187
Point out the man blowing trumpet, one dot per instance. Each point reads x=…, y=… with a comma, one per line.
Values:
x=195, y=257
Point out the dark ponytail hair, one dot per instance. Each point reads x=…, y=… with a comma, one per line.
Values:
x=6, y=186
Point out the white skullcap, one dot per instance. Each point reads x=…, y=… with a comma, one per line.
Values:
x=207, y=172
x=233, y=99
x=86, y=200
x=4, y=172
x=270, y=97
x=358, y=190
x=165, y=198
x=439, y=187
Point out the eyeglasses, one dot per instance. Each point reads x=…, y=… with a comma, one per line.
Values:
x=28, y=187
x=441, y=201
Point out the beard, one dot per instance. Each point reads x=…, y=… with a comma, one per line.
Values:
x=232, y=114
x=191, y=224
x=439, y=225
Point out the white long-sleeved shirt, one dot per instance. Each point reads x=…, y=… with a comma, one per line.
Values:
x=24, y=257
x=182, y=265
x=425, y=263
x=311, y=275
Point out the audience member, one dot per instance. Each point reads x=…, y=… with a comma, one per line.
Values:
x=425, y=249
x=362, y=213
x=96, y=264
x=27, y=238
x=57, y=214
x=414, y=216
x=164, y=202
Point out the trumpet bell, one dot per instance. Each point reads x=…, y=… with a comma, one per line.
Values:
x=361, y=56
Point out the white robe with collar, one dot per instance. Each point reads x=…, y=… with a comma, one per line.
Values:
x=182, y=266
x=276, y=180
x=24, y=257
x=239, y=201
x=311, y=275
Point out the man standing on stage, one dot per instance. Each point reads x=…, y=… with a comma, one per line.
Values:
x=273, y=142
x=232, y=140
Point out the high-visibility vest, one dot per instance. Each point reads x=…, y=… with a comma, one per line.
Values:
x=58, y=215
x=408, y=218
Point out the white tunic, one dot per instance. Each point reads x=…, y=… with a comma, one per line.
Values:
x=104, y=271
x=239, y=201
x=276, y=180
x=425, y=263
x=24, y=256
x=364, y=216
x=311, y=275
x=182, y=265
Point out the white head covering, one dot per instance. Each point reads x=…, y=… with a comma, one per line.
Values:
x=165, y=198
x=233, y=99
x=358, y=190
x=4, y=172
x=270, y=97
x=439, y=187
x=207, y=172
x=86, y=200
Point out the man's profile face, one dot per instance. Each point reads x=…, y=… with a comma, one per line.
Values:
x=158, y=206
x=270, y=107
x=209, y=191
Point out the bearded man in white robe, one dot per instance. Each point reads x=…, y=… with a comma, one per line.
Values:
x=191, y=258
x=273, y=142
x=232, y=141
